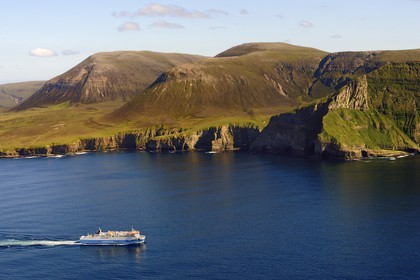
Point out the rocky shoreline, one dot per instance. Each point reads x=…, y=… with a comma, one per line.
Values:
x=216, y=139
x=229, y=137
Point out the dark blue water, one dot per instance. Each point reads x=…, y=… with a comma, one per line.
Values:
x=210, y=216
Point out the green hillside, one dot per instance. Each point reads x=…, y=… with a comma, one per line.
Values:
x=375, y=112
x=15, y=93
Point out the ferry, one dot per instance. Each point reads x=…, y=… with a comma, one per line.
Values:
x=132, y=237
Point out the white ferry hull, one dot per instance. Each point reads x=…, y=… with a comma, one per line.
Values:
x=132, y=237
x=110, y=242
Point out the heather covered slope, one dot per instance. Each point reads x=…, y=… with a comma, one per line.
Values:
x=251, y=80
x=105, y=77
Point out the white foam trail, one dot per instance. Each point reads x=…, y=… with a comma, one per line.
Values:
x=26, y=243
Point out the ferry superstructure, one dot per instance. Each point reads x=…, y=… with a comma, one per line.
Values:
x=132, y=237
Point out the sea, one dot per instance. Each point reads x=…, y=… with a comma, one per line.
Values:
x=228, y=215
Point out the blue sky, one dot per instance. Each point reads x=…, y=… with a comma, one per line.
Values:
x=40, y=39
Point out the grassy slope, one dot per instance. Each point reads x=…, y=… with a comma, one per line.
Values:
x=14, y=93
x=355, y=130
x=395, y=92
x=59, y=124
x=394, y=100
x=65, y=124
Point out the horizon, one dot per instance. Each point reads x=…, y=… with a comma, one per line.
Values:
x=41, y=42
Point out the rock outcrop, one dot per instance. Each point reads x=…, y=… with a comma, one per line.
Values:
x=353, y=96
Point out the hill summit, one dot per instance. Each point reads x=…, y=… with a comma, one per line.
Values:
x=251, y=79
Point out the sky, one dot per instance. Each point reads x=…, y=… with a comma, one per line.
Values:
x=40, y=39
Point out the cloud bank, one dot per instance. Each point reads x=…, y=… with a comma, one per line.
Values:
x=42, y=52
x=156, y=9
x=161, y=10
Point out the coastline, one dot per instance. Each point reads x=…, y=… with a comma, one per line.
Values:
x=62, y=150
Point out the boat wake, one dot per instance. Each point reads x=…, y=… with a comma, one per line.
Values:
x=27, y=243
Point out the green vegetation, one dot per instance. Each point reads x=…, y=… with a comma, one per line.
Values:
x=14, y=93
x=394, y=91
x=59, y=124
x=355, y=130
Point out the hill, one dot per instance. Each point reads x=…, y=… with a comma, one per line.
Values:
x=250, y=80
x=105, y=76
x=15, y=93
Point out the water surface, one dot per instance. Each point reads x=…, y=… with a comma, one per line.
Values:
x=210, y=216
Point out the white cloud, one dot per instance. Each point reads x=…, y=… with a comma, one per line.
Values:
x=165, y=24
x=243, y=12
x=69, y=52
x=279, y=16
x=156, y=9
x=129, y=26
x=336, y=36
x=305, y=24
x=42, y=52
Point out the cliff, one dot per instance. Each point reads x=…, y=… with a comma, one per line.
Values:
x=347, y=124
x=222, y=138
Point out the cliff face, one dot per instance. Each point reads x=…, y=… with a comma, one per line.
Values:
x=348, y=124
x=228, y=137
x=353, y=96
